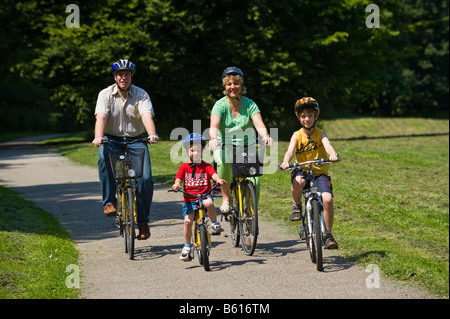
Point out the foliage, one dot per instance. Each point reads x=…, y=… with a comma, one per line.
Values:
x=287, y=49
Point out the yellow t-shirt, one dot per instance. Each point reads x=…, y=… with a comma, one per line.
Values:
x=309, y=148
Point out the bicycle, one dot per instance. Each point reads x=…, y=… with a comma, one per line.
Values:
x=201, y=239
x=243, y=215
x=313, y=224
x=127, y=165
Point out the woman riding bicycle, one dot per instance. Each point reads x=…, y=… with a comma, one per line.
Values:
x=231, y=118
x=308, y=143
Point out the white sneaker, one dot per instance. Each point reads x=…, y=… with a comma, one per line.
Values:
x=186, y=254
x=217, y=228
x=225, y=207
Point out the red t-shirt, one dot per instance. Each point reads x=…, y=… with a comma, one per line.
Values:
x=200, y=183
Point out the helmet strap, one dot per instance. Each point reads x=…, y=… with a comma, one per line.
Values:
x=129, y=87
x=310, y=129
x=233, y=98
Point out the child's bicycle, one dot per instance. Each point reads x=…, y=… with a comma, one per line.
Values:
x=243, y=215
x=127, y=164
x=201, y=239
x=313, y=224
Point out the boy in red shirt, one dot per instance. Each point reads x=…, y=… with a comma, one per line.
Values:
x=196, y=175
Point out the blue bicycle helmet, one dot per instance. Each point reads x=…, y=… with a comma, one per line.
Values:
x=232, y=70
x=189, y=140
x=123, y=65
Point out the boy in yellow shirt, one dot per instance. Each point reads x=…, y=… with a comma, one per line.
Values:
x=308, y=143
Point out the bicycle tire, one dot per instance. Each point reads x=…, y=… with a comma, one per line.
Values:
x=309, y=234
x=130, y=233
x=204, y=247
x=233, y=218
x=120, y=214
x=317, y=234
x=248, y=222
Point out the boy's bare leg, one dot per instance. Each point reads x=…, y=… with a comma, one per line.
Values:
x=187, y=231
x=210, y=208
x=296, y=190
x=328, y=214
x=328, y=211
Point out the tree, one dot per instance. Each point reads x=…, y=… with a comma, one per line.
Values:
x=287, y=50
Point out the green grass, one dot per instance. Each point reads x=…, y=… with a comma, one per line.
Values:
x=34, y=252
x=391, y=206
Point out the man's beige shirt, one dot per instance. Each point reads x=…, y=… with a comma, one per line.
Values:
x=124, y=117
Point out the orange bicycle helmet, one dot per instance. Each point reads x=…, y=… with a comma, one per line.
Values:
x=306, y=102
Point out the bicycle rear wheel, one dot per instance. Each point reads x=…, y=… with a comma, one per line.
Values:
x=204, y=247
x=234, y=218
x=248, y=223
x=317, y=234
x=130, y=233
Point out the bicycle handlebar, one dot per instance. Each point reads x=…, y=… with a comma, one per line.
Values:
x=198, y=196
x=139, y=139
x=317, y=161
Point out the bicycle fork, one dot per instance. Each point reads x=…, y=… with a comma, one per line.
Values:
x=309, y=219
x=199, y=221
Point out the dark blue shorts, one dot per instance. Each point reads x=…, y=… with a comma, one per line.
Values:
x=323, y=181
x=191, y=206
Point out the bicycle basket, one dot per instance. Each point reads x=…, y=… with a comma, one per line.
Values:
x=127, y=163
x=247, y=161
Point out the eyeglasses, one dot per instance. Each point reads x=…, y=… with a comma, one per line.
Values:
x=123, y=75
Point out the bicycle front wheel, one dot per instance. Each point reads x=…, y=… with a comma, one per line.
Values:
x=204, y=247
x=317, y=234
x=248, y=222
x=310, y=233
x=130, y=233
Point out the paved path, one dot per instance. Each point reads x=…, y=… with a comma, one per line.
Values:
x=280, y=267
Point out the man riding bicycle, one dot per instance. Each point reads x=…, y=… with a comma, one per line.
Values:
x=123, y=113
